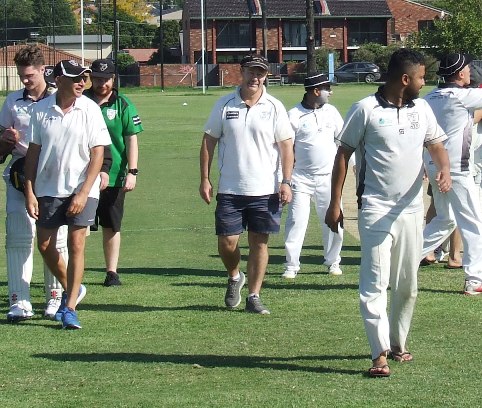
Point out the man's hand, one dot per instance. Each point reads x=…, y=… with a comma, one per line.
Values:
x=77, y=204
x=31, y=204
x=206, y=190
x=334, y=218
x=104, y=180
x=130, y=182
x=285, y=194
x=444, y=181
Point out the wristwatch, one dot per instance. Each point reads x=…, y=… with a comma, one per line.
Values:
x=134, y=172
x=286, y=181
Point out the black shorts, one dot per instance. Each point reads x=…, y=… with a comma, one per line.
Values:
x=111, y=208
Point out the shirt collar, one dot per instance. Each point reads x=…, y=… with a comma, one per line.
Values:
x=386, y=104
x=46, y=93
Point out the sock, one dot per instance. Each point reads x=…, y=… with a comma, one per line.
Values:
x=236, y=277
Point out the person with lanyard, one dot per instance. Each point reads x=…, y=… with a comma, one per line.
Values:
x=20, y=228
x=388, y=131
x=124, y=124
x=316, y=123
x=454, y=104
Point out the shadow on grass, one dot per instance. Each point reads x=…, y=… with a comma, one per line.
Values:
x=139, y=309
x=163, y=271
x=211, y=361
x=268, y=285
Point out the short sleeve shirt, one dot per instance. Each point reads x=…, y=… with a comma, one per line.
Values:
x=66, y=140
x=454, y=108
x=122, y=120
x=315, y=132
x=389, y=145
x=248, y=155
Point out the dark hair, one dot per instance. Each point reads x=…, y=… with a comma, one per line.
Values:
x=402, y=61
x=31, y=55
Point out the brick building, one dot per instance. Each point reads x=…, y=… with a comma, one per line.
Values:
x=234, y=28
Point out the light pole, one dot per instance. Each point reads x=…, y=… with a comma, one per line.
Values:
x=161, y=47
x=6, y=44
x=82, y=30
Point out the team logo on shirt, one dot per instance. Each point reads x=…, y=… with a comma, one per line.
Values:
x=232, y=115
x=414, y=120
x=111, y=113
x=385, y=122
x=265, y=115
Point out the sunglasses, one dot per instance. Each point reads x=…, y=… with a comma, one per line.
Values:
x=79, y=79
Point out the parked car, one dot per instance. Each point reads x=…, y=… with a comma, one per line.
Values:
x=358, y=72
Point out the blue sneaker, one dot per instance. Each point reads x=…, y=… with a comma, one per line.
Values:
x=70, y=320
x=63, y=301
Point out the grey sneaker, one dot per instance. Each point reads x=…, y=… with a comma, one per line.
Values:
x=232, y=298
x=254, y=305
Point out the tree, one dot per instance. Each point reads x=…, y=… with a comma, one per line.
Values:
x=459, y=31
x=376, y=53
x=135, y=8
x=170, y=33
x=61, y=18
x=19, y=20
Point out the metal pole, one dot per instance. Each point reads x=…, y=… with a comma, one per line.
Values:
x=161, y=48
x=310, y=38
x=116, y=44
x=101, y=28
x=265, y=29
x=203, y=48
x=82, y=30
x=6, y=46
x=206, y=59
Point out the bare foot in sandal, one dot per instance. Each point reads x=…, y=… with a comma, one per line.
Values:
x=401, y=356
x=379, y=367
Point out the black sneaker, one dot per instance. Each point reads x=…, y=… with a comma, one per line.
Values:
x=232, y=298
x=112, y=279
x=254, y=305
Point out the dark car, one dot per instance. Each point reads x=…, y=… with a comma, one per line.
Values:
x=358, y=72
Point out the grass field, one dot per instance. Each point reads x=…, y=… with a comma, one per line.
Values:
x=164, y=338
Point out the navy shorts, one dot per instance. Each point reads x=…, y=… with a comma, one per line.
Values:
x=111, y=208
x=235, y=213
x=52, y=212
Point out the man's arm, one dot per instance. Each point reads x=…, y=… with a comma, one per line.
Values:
x=30, y=169
x=132, y=157
x=334, y=214
x=80, y=199
x=205, y=160
x=105, y=169
x=441, y=159
x=287, y=163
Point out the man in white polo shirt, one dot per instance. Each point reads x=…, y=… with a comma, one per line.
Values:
x=454, y=104
x=255, y=160
x=316, y=124
x=67, y=137
x=388, y=131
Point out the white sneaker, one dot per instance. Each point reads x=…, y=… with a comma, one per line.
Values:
x=473, y=287
x=440, y=254
x=17, y=313
x=82, y=293
x=52, y=307
x=334, y=269
x=289, y=274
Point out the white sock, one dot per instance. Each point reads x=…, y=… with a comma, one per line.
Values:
x=253, y=295
x=236, y=277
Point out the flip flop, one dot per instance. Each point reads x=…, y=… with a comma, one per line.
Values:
x=379, y=371
x=404, y=357
x=427, y=262
x=447, y=266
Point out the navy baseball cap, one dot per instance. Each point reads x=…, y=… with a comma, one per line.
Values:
x=452, y=63
x=102, y=68
x=69, y=68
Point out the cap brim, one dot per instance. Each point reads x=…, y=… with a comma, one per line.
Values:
x=84, y=71
x=255, y=64
x=101, y=74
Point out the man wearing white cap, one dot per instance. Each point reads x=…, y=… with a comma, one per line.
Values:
x=454, y=104
x=67, y=137
x=316, y=124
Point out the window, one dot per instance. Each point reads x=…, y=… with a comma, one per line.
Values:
x=425, y=25
x=294, y=34
x=233, y=35
x=365, y=31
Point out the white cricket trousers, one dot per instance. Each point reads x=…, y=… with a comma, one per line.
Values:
x=391, y=246
x=305, y=189
x=459, y=207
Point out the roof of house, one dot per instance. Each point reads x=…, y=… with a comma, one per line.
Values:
x=140, y=54
x=289, y=8
x=51, y=55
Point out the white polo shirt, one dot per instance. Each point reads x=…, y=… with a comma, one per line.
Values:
x=16, y=112
x=389, y=143
x=248, y=156
x=454, y=108
x=66, y=140
x=315, y=132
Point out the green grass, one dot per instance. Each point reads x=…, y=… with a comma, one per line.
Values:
x=164, y=339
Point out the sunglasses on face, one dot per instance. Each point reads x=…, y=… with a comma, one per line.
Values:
x=79, y=79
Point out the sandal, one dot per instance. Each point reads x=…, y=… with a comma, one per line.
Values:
x=402, y=357
x=379, y=371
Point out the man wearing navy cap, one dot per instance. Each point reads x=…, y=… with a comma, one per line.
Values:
x=67, y=135
x=316, y=124
x=123, y=123
x=454, y=104
x=255, y=160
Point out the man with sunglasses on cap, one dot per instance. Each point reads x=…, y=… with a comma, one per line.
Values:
x=316, y=124
x=454, y=103
x=67, y=136
x=123, y=123
x=255, y=160
x=20, y=228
